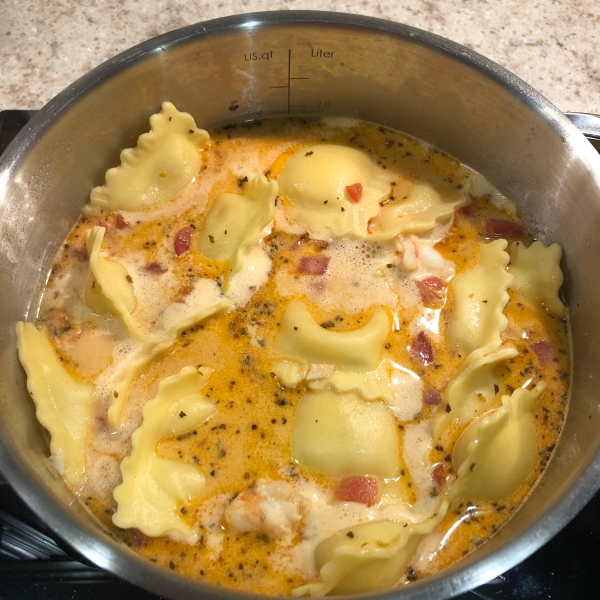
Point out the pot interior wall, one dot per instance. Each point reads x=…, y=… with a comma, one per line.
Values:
x=388, y=74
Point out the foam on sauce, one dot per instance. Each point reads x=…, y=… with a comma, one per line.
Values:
x=249, y=436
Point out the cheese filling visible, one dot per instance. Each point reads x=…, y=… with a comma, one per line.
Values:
x=307, y=357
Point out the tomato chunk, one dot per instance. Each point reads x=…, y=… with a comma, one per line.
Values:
x=120, y=222
x=155, y=268
x=358, y=488
x=432, y=397
x=183, y=240
x=431, y=290
x=466, y=211
x=503, y=229
x=355, y=191
x=422, y=351
x=438, y=474
x=544, y=351
x=313, y=265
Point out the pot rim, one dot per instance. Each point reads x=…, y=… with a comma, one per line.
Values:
x=122, y=561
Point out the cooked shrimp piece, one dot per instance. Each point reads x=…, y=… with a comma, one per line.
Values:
x=271, y=506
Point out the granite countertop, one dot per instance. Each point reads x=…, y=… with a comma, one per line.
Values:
x=552, y=44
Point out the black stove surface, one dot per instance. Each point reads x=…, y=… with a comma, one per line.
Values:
x=37, y=565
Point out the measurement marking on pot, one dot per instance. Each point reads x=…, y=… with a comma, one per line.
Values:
x=289, y=87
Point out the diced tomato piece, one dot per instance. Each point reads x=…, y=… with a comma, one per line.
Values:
x=183, y=240
x=466, y=211
x=355, y=191
x=389, y=142
x=438, y=474
x=432, y=397
x=120, y=222
x=503, y=229
x=155, y=268
x=431, y=290
x=313, y=265
x=544, y=351
x=358, y=488
x=421, y=351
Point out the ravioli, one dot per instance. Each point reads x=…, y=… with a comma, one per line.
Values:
x=109, y=288
x=368, y=557
x=154, y=489
x=422, y=209
x=63, y=404
x=480, y=296
x=356, y=350
x=236, y=221
x=307, y=409
x=373, y=385
x=164, y=161
x=315, y=181
x=148, y=352
x=496, y=453
x=340, y=434
x=537, y=274
x=472, y=390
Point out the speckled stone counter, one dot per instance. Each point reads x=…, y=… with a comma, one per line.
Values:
x=552, y=44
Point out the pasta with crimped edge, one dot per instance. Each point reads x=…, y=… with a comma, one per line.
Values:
x=164, y=161
x=154, y=489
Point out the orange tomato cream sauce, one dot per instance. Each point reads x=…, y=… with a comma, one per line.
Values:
x=299, y=356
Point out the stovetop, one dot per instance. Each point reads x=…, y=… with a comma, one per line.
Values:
x=35, y=564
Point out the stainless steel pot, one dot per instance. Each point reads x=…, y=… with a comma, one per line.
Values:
x=256, y=65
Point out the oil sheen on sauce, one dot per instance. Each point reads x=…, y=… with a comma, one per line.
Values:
x=249, y=436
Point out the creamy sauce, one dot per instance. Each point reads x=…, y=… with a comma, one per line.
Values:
x=249, y=436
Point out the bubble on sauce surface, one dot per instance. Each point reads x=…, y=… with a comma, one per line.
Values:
x=417, y=444
x=103, y=474
x=211, y=518
x=154, y=292
x=205, y=293
x=408, y=394
x=252, y=276
x=354, y=277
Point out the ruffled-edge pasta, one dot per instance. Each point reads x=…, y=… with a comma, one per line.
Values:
x=316, y=179
x=341, y=434
x=164, y=161
x=367, y=557
x=480, y=296
x=372, y=385
x=420, y=212
x=155, y=489
x=109, y=288
x=149, y=351
x=358, y=350
x=472, y=390
x=63, y=404
x=537, y=274
x=236, y=221
x=399, y=390
x=496, y=453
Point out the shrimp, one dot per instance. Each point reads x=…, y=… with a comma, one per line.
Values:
x=271, y=506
